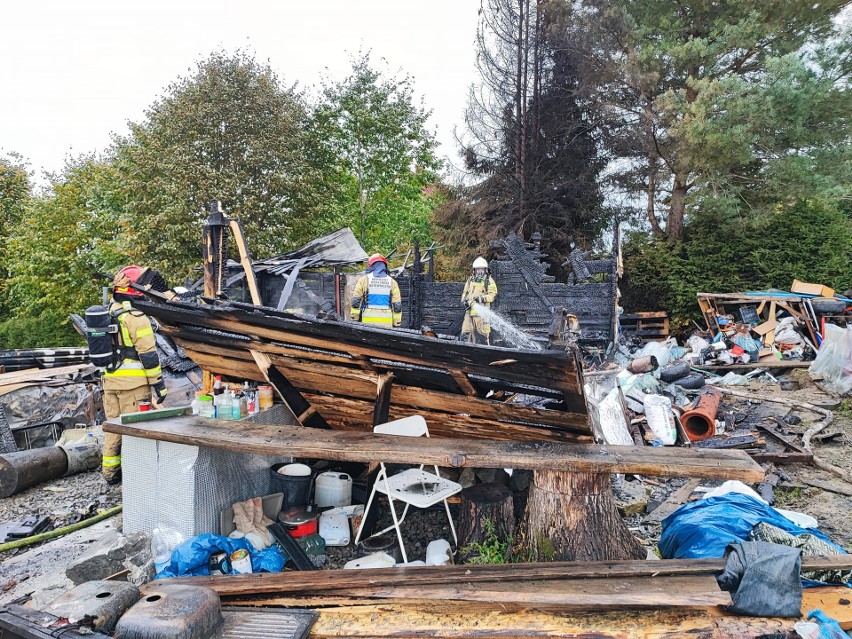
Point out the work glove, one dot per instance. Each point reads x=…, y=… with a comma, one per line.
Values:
x=158, y=393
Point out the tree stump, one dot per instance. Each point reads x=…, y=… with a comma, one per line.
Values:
x=481, y=503
x=573, y=517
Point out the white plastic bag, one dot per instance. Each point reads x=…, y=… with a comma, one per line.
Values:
x=834, y=359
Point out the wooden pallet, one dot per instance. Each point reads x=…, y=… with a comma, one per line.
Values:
x=649, y=326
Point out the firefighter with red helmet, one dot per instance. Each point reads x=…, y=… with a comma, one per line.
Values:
x=137, y=377
x=376, y=299
x=479, y=293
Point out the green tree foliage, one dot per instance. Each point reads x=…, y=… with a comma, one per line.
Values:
x=376, y=158
x=809, y=240
x=15, y=193
x=743, y=101
x=228, y=132
x=71, y=234
x=531, y=142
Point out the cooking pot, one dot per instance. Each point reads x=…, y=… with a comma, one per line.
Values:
x=299, y=521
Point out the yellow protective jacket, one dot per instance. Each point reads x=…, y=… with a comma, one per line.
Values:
x=140, y=364
x=377, y=300
x=482, y=292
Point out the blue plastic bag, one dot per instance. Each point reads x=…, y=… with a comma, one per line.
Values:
x=828, y=627
x=704, y=528
x=193, y=555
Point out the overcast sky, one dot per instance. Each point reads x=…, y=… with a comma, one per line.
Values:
x=75, y=71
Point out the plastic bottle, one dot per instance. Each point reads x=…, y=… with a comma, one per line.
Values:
x=236, y=411
x=160, y=549
x=218, y=386
x=223, y=406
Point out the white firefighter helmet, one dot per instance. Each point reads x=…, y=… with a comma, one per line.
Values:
x=480, y=262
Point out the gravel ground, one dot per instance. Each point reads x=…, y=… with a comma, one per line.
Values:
x=66, y=500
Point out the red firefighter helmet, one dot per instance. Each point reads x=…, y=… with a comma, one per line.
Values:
x=376, y=257
x=122, y=280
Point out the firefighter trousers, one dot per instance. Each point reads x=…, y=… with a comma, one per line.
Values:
x=117, y=402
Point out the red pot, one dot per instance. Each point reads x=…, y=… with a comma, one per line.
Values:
x=300, y=522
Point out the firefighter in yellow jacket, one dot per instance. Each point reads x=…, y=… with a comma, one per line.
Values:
x=138, y=377
x=481, y=290
x=376, y=299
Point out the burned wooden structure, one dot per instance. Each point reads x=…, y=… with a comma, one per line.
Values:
x=528, y=296
x=350, y=376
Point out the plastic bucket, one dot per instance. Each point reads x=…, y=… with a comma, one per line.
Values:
x=658, y=412
x=294, y=480
x=333, y=489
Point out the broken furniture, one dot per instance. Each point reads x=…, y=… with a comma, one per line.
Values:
x=413, y=487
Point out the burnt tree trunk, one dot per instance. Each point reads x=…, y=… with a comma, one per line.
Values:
x=573, y=517
x=482, y=503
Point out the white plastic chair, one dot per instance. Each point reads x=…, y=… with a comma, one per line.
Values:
x=414, y=487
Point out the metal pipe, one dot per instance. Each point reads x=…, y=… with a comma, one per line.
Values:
x=700, y=422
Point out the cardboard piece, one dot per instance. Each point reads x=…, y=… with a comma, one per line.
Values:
x=811, y=289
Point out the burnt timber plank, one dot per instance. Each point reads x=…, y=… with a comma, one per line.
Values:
x=338, y=580
x=298, y=405
x=457, y=453
x=587, y=594
x=555, y=369
x=353, y=414
x=383, y=395
x=357, y=383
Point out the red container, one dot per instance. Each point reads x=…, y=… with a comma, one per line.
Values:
x=143, y=406
x=300, y=522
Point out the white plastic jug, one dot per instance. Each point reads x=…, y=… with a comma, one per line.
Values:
x=658, y=412
x=332, y=489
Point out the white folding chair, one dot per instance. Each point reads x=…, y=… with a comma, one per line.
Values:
x=414, y=487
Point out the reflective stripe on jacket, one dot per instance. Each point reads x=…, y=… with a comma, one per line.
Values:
x=379, y=295
x=485, y=288
x=140, y=365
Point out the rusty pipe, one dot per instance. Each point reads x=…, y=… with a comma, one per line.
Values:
x=643, y=365
x=700, y=422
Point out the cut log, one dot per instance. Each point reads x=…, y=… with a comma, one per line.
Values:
x=573, y=517
x=484, y=503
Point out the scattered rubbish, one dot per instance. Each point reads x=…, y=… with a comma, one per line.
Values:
x=704, y=528
x=439, y=553
x=833, y=362
x=658, y=411
x=374, y=560
x=192, y=557
x=819, y=626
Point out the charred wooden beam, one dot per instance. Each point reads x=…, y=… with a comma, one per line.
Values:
x=298, y=405
x=457, y=453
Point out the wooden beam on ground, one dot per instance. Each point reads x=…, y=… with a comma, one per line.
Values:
x=674, y=501
x=403, y=619
x=584, y=594
x=457, y=453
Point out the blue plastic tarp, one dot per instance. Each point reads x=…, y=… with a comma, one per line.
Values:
x=704, y=528
x=192, y=556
